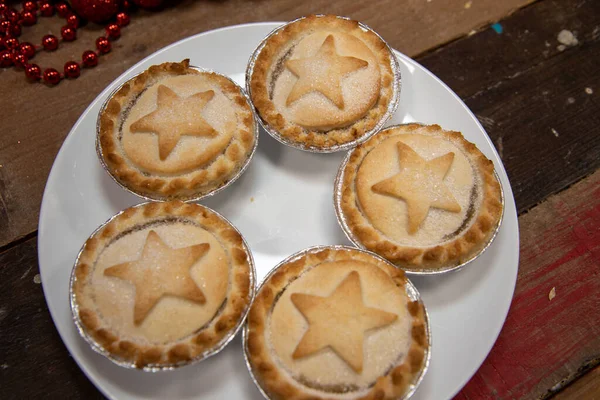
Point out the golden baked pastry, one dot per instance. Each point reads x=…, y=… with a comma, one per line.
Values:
x=336, y=322
x=422, y=197
x=162, y=285
x=175, y=132
x=323, y=83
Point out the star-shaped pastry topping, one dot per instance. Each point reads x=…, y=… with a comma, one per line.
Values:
x=322, y=73
x=420, y=184
x=160, y=271
x=175, y=116
x=339, y=321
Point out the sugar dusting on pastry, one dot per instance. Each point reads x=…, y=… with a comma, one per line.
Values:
x=191, y=151
x=383, y=347
x=171, y=318
x=390, y=214
x=359, y=87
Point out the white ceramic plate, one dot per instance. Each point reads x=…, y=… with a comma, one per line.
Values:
x=282, y=204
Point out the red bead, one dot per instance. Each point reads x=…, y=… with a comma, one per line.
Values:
x=5, y=26
x=89, y=59
x=11, y=43
x=6, y=58
x=123, y=19
x=73, y=21
x=29, y=5
x=12, y=15
x=15, y=30
x=127, y=5
x=62, y=9
x=46, y=9
x=72, y=69
x=68, y=34
x=98, y=11
x=28, y=18
x=19, y=60
x=50, y=42
x=3, y=7
x=27, y=49
x=103, y=45
x=51, y=76
x=113, y=31
x=33, y=72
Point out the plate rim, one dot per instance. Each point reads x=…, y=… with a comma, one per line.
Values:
x=509, y=196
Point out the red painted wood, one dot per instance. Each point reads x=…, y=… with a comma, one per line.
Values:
x=544, y=341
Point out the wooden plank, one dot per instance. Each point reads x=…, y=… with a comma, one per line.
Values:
x=34, y=362
x=538, y=104
x=528, y=39
x=35, y=119
x=588, y=387
x=548, y=338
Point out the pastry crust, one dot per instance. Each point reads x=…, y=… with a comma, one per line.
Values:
x=274, y=49
x=217, y=165
x=278, y=384
x=468, y=244
x=204, y=341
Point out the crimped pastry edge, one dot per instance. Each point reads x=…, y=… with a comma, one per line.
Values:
x=399, y=383
x=420, y=260
x=335, y=139
x=190, y=186
x=193, y=348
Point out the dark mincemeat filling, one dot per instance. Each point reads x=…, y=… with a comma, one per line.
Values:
x=468, y=217
x=279, y=67
x=125, y=113
x=123, y=116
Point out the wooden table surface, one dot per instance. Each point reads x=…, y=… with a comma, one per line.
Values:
x=538, y=99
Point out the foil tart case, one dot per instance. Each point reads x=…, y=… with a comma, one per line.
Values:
x=337, y=202
x=411, y=291
x=191, y=199
x=164, y=367
x=346, y=146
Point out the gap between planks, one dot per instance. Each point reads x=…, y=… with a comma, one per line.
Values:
x=586, y=381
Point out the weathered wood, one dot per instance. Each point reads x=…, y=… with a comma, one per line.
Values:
x=547, y=338
x=34, y=363
x=588, y=387
x=35, y=119
x=539, y=104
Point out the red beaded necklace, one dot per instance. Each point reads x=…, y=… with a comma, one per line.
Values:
x=18, y=54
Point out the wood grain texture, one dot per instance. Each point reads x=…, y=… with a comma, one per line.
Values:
x=546, y=340
x=34, y=362
x=539, y=104
x=36, y=119
x=588, y=387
